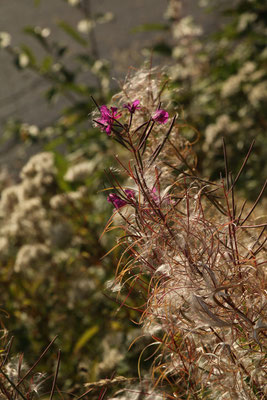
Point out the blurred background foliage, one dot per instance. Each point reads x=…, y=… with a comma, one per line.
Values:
x=53, y=273
x=220, y=86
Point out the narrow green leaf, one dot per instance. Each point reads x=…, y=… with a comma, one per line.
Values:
x=150, y=27
x=34, y=31
x=72, y=32
x=46, y=64
x=86, y=336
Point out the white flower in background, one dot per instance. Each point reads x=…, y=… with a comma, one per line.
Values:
x=231, y=86
x=247, y=68
x=85, y=25
x=260, y=73
x=23, y=60
x=173, y=10
x=38, y=173
x=10, y=197
x=33, y=130
x=45, y=32
x=73, y=2
x=28, y=220
x=186, y=27
x=244, y=20
x=5, y=39
x=80, y=172
x=56, y=67
x=63, y=199
x=31, y=255
x=39, y=163
x=258, y=93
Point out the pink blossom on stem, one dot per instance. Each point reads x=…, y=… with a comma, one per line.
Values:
x=129, y=193
x=132, y=107
x=117, y=201
x=160, y=116
x=108, y=116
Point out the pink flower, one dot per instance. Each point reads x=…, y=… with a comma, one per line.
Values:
x=117, y=201
x=129, y=193
x=154, y=195
x=132, y=107
x=160, y=116
x=108, y=116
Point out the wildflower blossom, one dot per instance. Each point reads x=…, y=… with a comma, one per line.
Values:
x=132, y=107
x=129, y=193
x=117, y=201
x=108, y=116
x=160, y=116
x=80, y=172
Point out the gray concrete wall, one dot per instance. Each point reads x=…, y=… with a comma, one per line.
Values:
x=21, y=93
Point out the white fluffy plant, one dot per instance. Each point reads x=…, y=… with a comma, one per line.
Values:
x=32, y=212
x=192, y=250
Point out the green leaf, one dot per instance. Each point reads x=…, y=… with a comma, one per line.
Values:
x=51, y=93
x=34, y=31
x=46, y=64
x=150, y=27
x=72, y=32
x=86, y=336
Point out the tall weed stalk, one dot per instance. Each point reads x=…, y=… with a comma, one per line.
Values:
x=194, y=251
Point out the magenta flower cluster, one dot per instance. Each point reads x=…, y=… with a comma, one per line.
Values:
x=106, y=121
x=109, y=116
